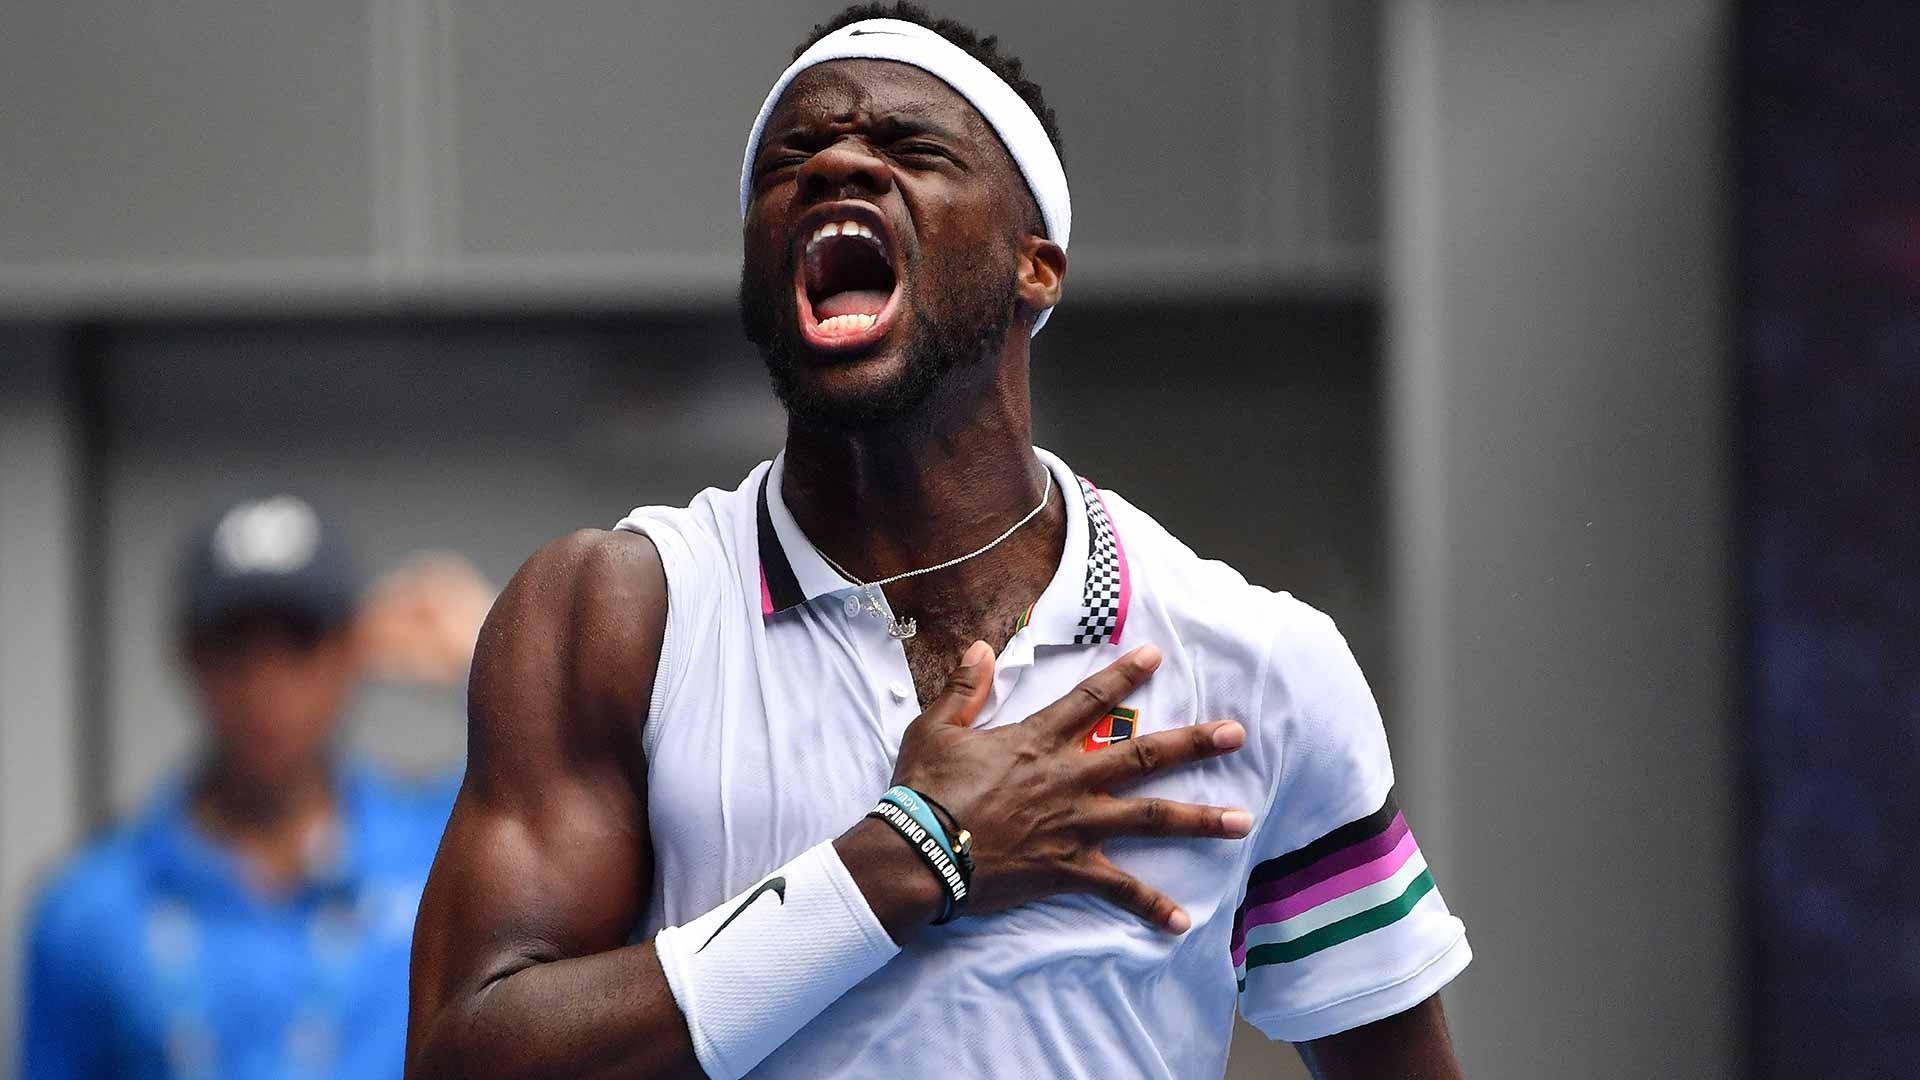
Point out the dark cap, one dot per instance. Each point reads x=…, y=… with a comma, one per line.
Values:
x=266, y=554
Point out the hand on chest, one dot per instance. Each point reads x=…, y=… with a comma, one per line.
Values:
x=800, y=756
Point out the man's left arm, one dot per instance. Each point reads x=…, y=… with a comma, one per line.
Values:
x=1413, y=1045
x=1341, y=942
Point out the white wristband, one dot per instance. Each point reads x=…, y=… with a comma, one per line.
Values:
x=754, y=970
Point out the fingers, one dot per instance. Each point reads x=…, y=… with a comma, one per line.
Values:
x=1132, y=894
x=1164, y=817
x=1069, y=717
x=1143, y=755
x=966, y=688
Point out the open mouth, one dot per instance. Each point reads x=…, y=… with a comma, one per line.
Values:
x=847, y=290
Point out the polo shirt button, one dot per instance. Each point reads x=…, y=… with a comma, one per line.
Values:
x=853, y=606
x=900, y=691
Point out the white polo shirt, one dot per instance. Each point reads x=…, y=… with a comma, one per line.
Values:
x=777, y=714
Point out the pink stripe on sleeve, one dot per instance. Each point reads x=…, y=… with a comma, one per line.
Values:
x=1338, y=862
x=1339, y=885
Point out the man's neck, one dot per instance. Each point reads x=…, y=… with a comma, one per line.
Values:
x=885, y=501
x=888, y=499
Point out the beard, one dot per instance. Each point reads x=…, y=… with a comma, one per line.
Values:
x=964, y=326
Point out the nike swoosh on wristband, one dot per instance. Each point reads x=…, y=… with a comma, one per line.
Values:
x=775, y=885
x=1104, y=738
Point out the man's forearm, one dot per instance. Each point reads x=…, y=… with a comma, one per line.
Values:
x=611, y=1014
x=616, y=1014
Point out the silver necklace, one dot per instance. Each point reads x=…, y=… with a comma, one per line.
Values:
x=903, y=629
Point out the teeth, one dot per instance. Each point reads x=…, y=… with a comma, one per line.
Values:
x=841, y=228
x=846, y=324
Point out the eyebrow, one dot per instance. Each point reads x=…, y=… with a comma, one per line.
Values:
x=899, y=123
x=915, y=122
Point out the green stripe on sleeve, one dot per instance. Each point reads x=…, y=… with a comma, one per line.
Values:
x=1282, y=952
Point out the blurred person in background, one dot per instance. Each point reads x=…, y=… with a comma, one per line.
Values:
x=254, y=919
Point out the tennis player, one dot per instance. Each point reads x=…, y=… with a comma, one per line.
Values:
x=916, y=753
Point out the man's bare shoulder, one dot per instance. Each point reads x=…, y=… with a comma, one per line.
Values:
x=596, y=583
x=590, y=572
x=573, y=640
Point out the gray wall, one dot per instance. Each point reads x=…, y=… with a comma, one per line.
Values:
x=266, y=154
x=1559, y=401
x=39, y=801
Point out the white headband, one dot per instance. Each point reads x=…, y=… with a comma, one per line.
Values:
x=1005, y=112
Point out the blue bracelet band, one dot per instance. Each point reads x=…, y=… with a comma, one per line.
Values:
x=954, y=878
x=916, y=807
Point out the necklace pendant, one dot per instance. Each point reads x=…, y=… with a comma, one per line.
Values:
x=873, y=604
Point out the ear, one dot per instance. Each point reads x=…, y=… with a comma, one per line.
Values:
x=1042, y=272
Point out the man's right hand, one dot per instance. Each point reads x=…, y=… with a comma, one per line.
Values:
x=1037, y=805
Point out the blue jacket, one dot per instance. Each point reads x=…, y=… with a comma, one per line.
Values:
x=149, y=957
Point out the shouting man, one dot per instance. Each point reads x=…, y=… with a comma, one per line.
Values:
x=916, y=751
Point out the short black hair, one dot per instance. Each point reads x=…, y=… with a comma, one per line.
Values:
x=984, y=49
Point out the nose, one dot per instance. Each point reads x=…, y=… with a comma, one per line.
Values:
x=848, y=167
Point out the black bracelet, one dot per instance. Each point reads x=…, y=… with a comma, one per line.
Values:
x=947, y=820
x=962, y=839
x=953, y=883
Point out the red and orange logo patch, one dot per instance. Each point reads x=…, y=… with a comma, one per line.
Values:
x=1116, y=726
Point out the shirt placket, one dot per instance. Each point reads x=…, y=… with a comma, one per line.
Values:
x=883, y=663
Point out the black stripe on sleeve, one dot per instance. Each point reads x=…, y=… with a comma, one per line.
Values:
x=1353, y=832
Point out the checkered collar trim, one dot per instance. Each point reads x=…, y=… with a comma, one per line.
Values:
x=1085, y=604
x=1087, y=601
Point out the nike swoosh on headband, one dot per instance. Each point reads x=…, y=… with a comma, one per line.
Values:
x=775, y=885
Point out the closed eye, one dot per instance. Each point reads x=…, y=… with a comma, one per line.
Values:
x=782, y=161
x=915, y=148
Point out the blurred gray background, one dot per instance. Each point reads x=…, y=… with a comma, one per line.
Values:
x=1415, y=308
